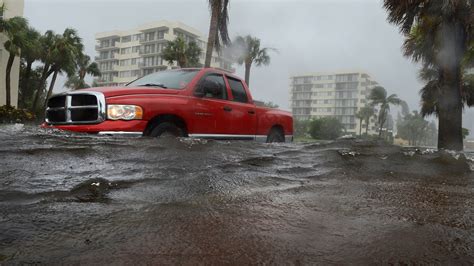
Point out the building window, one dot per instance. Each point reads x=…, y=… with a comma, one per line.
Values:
x=161, y=35
x=127, y=38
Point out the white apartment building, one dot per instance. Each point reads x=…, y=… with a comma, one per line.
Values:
x=337, y=94
x=124, y=56
x=13, y=8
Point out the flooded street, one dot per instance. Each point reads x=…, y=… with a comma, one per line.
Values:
x=72, y=198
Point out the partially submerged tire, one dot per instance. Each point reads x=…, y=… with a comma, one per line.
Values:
x=275, y=135
x=167, y=129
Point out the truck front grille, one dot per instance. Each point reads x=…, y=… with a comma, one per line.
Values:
x=76, y=108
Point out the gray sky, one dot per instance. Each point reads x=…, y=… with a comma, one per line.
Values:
x=310, y=36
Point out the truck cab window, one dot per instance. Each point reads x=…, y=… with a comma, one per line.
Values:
x=213, y=86
x=238, y=90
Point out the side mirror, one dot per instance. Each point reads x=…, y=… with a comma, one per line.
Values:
x=209, y=88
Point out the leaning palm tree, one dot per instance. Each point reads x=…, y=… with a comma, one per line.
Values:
x=186, y=54
x=29, y=54
x=378, y=96
x=364, y=114
x=218, y=33
x=84, y=67
x=47, y=57
x=16, y=31
x=439, y=34
x=65, y=50
x=248, y=51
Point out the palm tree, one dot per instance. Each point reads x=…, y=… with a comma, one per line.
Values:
x=364, y=114
x=47, y=42
x=66, y=48
x=186, y=54
x=248, y=51
x=439, y=34
x=84, y=67
x=15, y=30
x=218, y=32
x=29, y=54
x=378, y=96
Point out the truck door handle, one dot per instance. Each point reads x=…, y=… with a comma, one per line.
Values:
x=252, y=112
x=227, y=109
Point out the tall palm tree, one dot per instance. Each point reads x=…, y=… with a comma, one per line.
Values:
x=439, y=34
x=218, y=32
x=248, y=51
x=47, y=42
x=186, y=54
x=29, y=54
x=84, y=67
x=378, y=96
x=15, y=29
x=66, y=48
x=364, y=114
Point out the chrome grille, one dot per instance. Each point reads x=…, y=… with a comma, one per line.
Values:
x=76, y=108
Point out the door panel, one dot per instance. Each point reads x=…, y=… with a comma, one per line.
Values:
x=244, y=114
x=210, y=116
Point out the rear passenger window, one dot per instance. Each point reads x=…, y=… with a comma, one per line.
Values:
x=238, y=90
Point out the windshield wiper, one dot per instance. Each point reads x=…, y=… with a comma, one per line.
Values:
x=153, y=85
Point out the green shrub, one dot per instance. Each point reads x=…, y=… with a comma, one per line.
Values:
x=326, y=128
x=10, y=114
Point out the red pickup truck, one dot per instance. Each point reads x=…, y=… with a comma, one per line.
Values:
x=202, y=103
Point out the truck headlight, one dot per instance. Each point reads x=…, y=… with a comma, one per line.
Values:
x=124, y=112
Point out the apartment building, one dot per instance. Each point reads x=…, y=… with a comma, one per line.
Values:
x=338, y=94
x=13, y=8
x=124, y=56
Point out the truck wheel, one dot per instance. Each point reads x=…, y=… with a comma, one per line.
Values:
x=167, y=129
x=275, y=135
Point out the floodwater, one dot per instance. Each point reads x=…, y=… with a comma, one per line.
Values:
x=71, y=198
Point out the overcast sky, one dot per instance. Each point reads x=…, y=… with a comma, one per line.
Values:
x=310, y=36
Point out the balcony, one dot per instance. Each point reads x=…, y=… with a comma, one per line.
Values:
x=113, y=56
x=103, y=48
x=154, y=52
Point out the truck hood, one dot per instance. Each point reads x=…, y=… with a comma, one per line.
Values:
x=120, y=91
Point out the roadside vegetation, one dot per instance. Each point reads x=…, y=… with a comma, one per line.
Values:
x=41, y=56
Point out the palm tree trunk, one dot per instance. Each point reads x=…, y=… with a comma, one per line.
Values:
x=381, y=126
x=24, y=85
x=367, y=126
x=212, y=34
x=247, y=73
x=450, y=101
x=11, y=58
x=450, y=112
x=51, y=87
x=44, y=77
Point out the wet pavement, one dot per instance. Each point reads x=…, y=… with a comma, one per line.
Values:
x=71, y=198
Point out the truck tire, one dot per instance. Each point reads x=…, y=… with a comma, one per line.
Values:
x=167, y=129
x=275, y=135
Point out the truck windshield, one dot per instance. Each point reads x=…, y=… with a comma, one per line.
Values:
x=168, y=79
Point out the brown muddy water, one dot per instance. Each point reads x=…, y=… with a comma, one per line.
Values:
x=81, y=199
